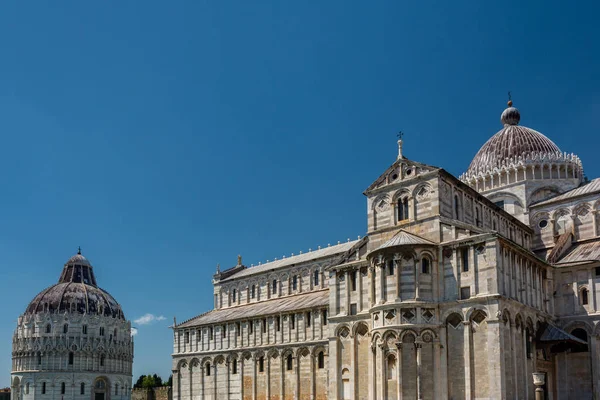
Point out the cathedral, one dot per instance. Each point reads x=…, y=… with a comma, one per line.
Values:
x=72, y=342
x=476, y=287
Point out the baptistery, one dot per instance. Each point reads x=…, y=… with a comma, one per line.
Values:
x=72, y=341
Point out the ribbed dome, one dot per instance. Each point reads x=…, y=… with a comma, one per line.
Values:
x=511, y=142
x=76, y=292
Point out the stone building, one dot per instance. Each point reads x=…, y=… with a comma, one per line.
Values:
x=72, y=342
x=463, y=288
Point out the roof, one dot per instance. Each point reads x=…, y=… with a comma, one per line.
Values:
x=403, y=238
x=581, y=253
x=513, y=141
x=293, y=260
x=275, y=306
x=590, y=187
x=553, y=333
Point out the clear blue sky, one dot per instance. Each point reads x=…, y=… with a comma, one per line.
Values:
x=165, y=138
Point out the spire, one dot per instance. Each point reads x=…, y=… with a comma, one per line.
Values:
x=79, y=250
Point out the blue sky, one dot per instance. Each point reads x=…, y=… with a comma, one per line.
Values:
x=164, y=138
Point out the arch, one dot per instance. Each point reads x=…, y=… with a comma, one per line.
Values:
x=543, y=193
x=579, y=324
x=454, y=319
x=401, y=193
x=519, y=321
x=319, y=348
x=506, y=316
x=181, y=364
x=561, y=212
x=273, y=353
x=428, y=331
x=342, y=330
x=475, y=308
x=360, y=328
x=302, y=352
x=416, y=192
x=450, y=311
x=389, y=334
x=582, y=209
x=403, y=335
x=286, y=352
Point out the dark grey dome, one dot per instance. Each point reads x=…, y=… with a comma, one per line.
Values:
x=510, y=143
x=76, y=292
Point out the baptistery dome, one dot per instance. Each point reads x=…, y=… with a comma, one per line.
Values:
x=76, y=292
x=72, y=341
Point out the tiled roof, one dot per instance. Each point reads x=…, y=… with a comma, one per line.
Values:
x=403, y=238
x=303, y=301
x=297, y=259
x=582, y=252
x=592, y=186
x=555, y=334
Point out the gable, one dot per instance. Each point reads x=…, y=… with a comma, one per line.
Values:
x=401, y=170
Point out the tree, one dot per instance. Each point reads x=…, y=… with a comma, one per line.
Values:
x=170, y=381
x=139, y=382
x=157, y=380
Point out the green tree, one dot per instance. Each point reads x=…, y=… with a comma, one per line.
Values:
x=170, y=381
x=139, y=382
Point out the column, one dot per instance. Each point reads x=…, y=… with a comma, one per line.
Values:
x=281, y=376
x=241, y=375
x=297, y=393
x=399, y=370
x=268, y=357
x=418, y=348
x=254, y=377
x=359, y=288
x=592, y=292
x=372, y=285
x=417, y=276
x=443, y=365
x=398, y=265
x=228, y=376
x=382, y=375
x=214, y=375
x=348, y=288
x=372, y=360
x=381, y=272
x=513, y=341
x=525, y=372
x=201, y=382
x=496, y=367
x=335, y=291
x=313, y=380
x=467, y=355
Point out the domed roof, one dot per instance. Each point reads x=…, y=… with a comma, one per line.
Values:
x=511, y=142
x=76, y=292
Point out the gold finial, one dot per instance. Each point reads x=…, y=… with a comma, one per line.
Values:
x=509, y=100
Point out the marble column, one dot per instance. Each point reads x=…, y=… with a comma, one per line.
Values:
x=399, y=370
x=467, y=357
x=418, y=349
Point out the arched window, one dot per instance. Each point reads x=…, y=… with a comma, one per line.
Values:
x=63, y=388
x=48, y=328
x=27, y=388
x=274, y=290
x=234, y=367
x=390, y=265
x=253, y=291
x=316, y=278
x=295, y=283
x=584, y=297
x=477, y=217
x=82, y=388
x=233, y=295
x=261, y=364
x=65, y=328
x=321, y=360
x=289, y=362
x=580, y=333
x=207, y=369
x=102, y=360
x=39, y=358
x=425, y=265
x=43, y=387
x=403, y=209
x=71, y=356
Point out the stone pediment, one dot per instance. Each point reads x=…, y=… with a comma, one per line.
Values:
x=401, y=170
